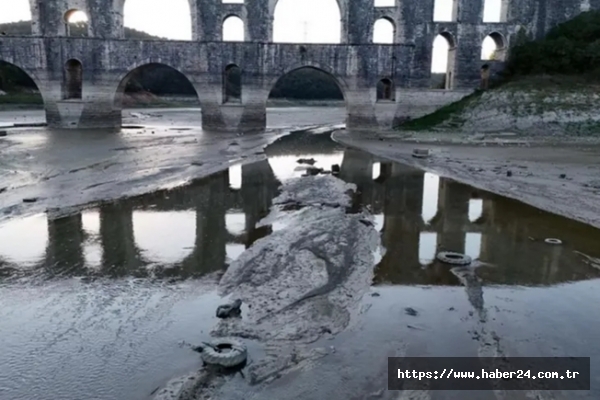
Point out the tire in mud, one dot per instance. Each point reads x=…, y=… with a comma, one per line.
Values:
x=553, y=241
x=449, y=257
x=226, y=353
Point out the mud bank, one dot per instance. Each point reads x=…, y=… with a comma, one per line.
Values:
x=160, y=149
x=551, y=176
x=303, y=282
x=539, y=112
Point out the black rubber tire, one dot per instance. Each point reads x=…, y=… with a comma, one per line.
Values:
x=449, y=257
x=235, y=353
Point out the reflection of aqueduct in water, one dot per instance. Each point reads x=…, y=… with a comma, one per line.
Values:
x=398, y=194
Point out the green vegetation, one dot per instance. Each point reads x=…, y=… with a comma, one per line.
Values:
x=450, y=115
x=566, y=60
x=570, y=48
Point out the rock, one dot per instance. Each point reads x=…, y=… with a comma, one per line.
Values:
x=30, y=200
x=335, y=169
x=3, y=133
x=197, y=163
x=313, y=171
x=563, y=176
x=309, y=161
x=375, y=294
x=509, y=173
x=3, y=189
x=421, y=153
x=411, y=311
x=230, y=310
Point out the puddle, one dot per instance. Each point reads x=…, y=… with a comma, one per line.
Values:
x=97, y=303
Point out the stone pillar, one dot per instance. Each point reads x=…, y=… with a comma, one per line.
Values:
x=402, y=225
x=357, y=168
x=360, y=20
x=453, y=207
x=488, y=239
x=259, y=187
x=120, y=255
x=468, y=52
x=259, y=21
x=211, y=231
x=64, y=254
x=206, y=24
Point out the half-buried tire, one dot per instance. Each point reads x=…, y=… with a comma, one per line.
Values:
x=449, y=257
x=226, y=353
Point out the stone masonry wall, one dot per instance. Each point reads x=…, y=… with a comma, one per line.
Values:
x=357, y=64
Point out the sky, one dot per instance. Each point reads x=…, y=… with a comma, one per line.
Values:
x=295, y=21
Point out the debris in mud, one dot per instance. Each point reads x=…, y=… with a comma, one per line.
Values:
x=309, y=161
x=3, y=133
x=509, y=173
x=375, y=294
x=421, y=153
x=313, y=171
x=30, y=200
x=197, y=163
x=230, y=310
x=411, y=311
x=452, y=258
x=563, y=176
x=3, y=189
x=227, y=353
x=335, y=169
x=553, y=241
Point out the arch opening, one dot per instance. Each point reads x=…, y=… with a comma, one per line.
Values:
x=16, y=19
x=445, y=10
x=305, y=84
x=386, y=90
x=17, y=87
x=493, y=47
x=385, y=3
x=495, y=11
x=233, y=29
x=155, y=84
x=73, y=80
x=232, y=84
x=443, y=61
x=297, y=21
x=165, y=19
x=384, y=31
x=76, y=23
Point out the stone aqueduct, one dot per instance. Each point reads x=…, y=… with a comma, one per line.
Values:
x=103, y=60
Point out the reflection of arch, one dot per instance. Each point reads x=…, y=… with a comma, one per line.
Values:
x=73, y=17
x=498, y=42
x=340, y=83
x=386, y=90
x=233, y=29
x=73, y=80
x=341, y=7
x=232, y=84
x=450, y=57
x=125, y=78
x=384, y=31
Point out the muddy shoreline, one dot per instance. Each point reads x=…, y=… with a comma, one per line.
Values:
x=559, y=177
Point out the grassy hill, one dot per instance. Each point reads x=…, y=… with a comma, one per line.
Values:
x=551, y=83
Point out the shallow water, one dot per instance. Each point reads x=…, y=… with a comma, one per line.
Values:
x=98, y=304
